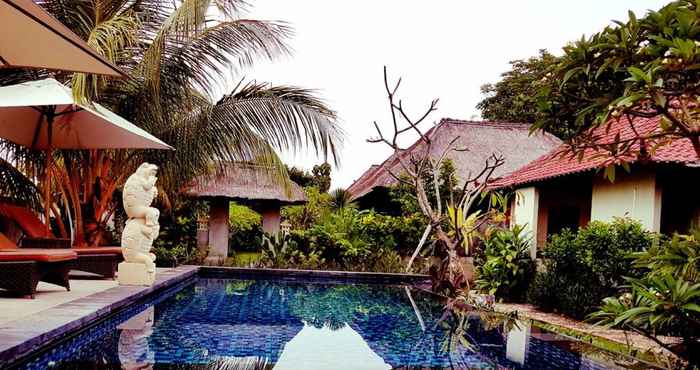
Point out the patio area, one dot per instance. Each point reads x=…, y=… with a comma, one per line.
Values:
x=49, y=296
x=27, y=324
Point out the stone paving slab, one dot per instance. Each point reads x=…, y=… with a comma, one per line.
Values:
x=22, y=336
x=47, y=296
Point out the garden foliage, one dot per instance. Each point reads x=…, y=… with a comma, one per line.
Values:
x=177, y=242
x=582, y=268
x=665, y=300
x=508, y=267
x=347, y=239
x=245, y=229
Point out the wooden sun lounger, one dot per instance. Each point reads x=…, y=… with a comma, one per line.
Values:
x=97, y=260
x=21, y=270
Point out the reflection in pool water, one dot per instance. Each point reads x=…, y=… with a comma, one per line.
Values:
x=304, y=325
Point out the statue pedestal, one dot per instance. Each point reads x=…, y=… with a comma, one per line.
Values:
x=134, y=274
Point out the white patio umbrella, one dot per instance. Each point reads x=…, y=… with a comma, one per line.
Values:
x=43, y=115
x=31, y=37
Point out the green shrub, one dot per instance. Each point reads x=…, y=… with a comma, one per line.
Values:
x=304, y=216
x=665, y=300
x=177, y=241
x=246, y=232
x=347, y=239
x=508, y=267
x=285, y=251
x=584, y=267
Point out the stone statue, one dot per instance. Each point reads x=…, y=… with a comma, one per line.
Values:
x=139, y=192
x=141, y=228
x=134, y=350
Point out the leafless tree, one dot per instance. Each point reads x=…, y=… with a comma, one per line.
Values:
x=413, y=168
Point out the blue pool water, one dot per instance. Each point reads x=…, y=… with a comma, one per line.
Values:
x=307, y=325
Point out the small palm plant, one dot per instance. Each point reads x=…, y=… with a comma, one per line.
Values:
x=341, y=199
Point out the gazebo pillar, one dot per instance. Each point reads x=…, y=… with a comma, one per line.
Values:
x=271, y=218
x=218, y=230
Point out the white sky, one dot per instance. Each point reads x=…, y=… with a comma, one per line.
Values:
x=443, y=49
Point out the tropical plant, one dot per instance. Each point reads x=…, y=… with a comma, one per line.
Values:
x=304, y=216
x=665, y=300
x=348, y=239
x=177, y=242
x=287, y=251
x=656, y=305
x=636, y=69
x=341, y=199
x=508, y=267
x=467, y=219
x=583, y=267
x=245, y=232
x=679, y=256
x=177, y=54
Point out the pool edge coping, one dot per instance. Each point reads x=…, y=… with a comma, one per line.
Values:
x=375, y=277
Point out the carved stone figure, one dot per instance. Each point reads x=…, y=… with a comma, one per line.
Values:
x=142, y=227
x=139, y=192
x=137, y=240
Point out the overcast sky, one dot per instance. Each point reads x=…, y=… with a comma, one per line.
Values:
x=442, y=48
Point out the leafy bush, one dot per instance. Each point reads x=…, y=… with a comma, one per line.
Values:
x=665, y=300
x=347, y=239
x=304, y=216
x=245, y=229
x=284, y=251
x=583, y=268
x=177, y=242
x=508, y=267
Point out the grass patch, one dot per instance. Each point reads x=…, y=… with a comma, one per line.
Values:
x=243, y=259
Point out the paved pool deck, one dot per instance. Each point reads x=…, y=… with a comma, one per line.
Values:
x=28, y=324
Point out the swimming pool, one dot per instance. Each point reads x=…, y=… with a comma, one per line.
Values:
x=302, y=324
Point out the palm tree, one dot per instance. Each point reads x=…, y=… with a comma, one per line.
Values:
x=179, y=55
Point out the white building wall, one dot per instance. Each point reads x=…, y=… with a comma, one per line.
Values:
x=525, y=211
x=635, y=195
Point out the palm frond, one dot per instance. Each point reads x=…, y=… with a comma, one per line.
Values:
x=204, y=60
x=289, y=118
x=15, y=187
x=111, y=38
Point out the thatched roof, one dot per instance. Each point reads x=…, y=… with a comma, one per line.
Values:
x=245, y=182
x=480, y=138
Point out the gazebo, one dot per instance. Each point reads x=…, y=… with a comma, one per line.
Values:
x=252, y=185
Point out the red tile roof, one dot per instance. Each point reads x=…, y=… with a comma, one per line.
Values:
x=480, y=138
x=559, y=162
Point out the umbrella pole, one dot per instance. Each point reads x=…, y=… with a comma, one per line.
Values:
x=47, y=193
x=47, y=183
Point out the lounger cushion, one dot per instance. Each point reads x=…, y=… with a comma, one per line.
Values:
x=25, y=218
x=6, y=243
x=38, y=255
x=97, y=250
